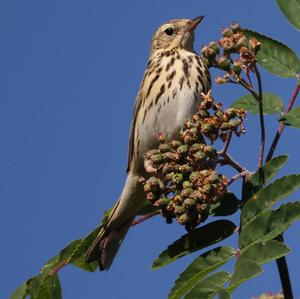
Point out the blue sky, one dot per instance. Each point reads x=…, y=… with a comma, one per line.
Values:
x=69, y=74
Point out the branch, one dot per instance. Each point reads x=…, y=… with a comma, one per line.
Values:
x=281, y=125
x=244, y=174
x=144, y=218
x=227, y=143
x=228, y=160
x=261, y=118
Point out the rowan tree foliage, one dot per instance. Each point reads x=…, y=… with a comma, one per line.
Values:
x=186, y=182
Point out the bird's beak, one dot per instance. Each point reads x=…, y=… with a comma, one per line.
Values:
x=194, y=23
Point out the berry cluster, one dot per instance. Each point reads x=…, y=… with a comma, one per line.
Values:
x=233, y=41
x=184, y=182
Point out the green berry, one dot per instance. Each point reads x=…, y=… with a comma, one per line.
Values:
x=236, y=67
x=162, y=202
x=177, y=178
x=150, y=153
x=224, y=64
x=179, y=210
x=194, y=176
x=195, y=147
x=225, y=126
x=199, y=156
x=157, y=159
x=203, y=113
x=182, y=149
x=208, y=129
x=189, y=202
x=215, y=47
x=175, y=144
x=186, y=184
x=186, y=192
x=164, y=147
x=210, y=150
x=185, y=169
x=226, y=32
x=183, y=219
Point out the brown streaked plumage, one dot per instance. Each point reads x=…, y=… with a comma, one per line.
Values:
x=170, y=92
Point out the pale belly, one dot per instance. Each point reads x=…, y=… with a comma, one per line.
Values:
x=167, y=118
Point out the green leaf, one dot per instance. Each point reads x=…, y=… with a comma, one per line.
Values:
x=263, y=175
x=209, y=286
x=272, y=103
x=20, y=292
x=261, y=253
x=48, y=289
x=243, y=271
x=77, y=258
x=224, y=294
x=82, y=264
x=268, y=171
x=200, y=238
x=199, y=268
x=227, y=205
x=73, y=253
x=269, y=224
x=292, y=118
x=268, y=196
x=275, y=57
x=291, y=9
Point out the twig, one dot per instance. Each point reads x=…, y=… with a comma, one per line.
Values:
x=249, y=78
x=261, y=118
x=227, y=143
x=228, y=160
x=144, y=218
x=243, y=174
x=57, y=268
x=281, y=125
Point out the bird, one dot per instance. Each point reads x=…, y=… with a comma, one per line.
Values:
x=169, y=94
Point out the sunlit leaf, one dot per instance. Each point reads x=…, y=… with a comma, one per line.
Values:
x=200, y=238
x=48, y=289
x=291, y=9
x=276, y=57
x=263, y=175
x=209, y=286
x=292, y=118
x=244, y=270
x=224, y=294
x=268, y=224
x=268, y=196
x=199, y=268
x=272, y=103
x=265, y=252
x=20, y=292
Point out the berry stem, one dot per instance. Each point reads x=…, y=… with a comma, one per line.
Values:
x=243, y=174
x=281, y=125
x=227, y=143
x=228, y=160
x=144, y=218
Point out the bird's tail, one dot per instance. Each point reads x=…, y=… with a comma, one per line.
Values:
x=107, y=243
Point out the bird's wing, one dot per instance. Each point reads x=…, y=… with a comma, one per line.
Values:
x=131, y=145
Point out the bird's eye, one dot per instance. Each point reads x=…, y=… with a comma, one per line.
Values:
x=169, y=31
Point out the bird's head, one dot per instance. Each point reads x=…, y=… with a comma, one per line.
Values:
x=175, y=34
